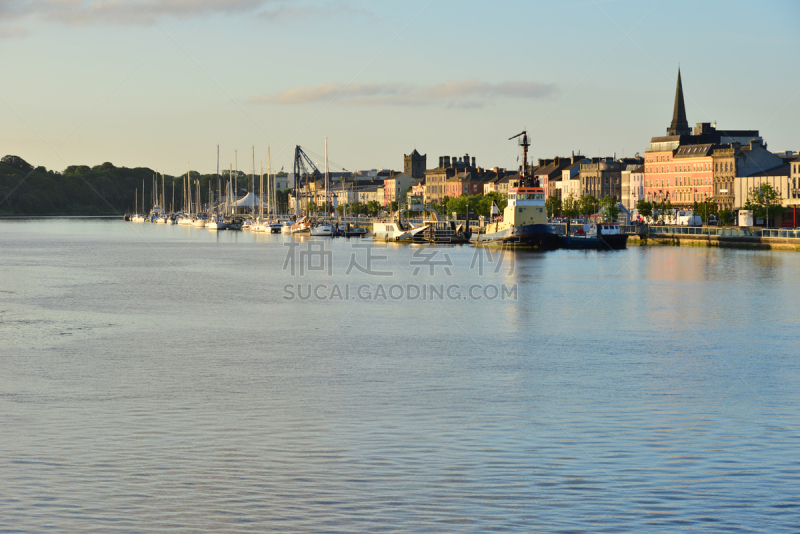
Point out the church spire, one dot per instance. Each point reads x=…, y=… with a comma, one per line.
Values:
x=679, y=126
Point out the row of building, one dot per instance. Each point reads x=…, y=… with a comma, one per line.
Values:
x=684, y=167
x=688, y=166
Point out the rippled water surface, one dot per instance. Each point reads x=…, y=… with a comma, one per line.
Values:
x=166, y=379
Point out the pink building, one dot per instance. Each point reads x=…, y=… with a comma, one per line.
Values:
x=683, y=176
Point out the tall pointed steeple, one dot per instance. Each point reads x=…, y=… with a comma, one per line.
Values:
x=679, y=126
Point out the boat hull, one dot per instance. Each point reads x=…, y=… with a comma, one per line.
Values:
x=322, y=231
x=601, y=242
x=539, y=236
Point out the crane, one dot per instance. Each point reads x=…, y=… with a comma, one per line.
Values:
x=303, y=167
x=524, y=144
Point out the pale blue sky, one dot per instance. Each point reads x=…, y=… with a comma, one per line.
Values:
x=101, y=81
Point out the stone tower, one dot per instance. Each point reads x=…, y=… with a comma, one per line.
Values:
x=415, y=164
x=679, y=126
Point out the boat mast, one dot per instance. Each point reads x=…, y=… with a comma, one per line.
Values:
x=189, y=198
x=216, y=206
x=327, y=182
x=524, y=144
x=269, y=177
x=261, y=199
x=235, y=183
x=253, y=181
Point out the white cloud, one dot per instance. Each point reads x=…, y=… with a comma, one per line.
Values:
x=461, y=93
x=136, y=12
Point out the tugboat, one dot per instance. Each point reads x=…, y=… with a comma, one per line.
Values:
x=600, y=236
x=524, y=221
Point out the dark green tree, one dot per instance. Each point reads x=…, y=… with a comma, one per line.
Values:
x=554, y=206
x=765, y=203
x=645, y=208
x=588, y=205
x=373, y=208
x=610, y=208
x=571, y=207
x=725, y=217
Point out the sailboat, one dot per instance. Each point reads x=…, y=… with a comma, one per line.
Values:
x=138, y=217
x=186, y=218
x=216, y=222
x=325, y=229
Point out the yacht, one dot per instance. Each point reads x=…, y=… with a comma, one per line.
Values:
x=322, y=230
x=200, y=220
x=234, y=223
x=216, y=223
x=302, y=226
x=395, y=231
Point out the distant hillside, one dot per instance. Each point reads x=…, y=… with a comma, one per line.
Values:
x=81, y=190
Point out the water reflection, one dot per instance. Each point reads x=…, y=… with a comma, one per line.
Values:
x=154, y=378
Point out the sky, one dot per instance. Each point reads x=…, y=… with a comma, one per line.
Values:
x=161, y=83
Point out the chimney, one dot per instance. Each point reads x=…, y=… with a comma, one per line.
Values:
x=441, y=161
x=541, y=162
x=446, y=161
x=473, y=161
x=614, y=158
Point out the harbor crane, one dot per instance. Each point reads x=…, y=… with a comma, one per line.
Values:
x=304, y=169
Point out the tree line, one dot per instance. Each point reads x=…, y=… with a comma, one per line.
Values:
x=100, y=190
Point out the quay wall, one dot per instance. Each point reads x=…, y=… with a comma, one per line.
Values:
x=745, y=242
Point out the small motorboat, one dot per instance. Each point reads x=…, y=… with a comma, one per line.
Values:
x=322, y=230
x=234, y=223
x=302, y=226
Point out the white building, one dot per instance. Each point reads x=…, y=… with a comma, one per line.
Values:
x=632, y=186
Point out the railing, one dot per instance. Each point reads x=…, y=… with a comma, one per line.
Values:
x=732, y=232
x=787, y=234
x=701, y=230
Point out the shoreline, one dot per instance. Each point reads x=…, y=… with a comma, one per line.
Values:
x=10, y=217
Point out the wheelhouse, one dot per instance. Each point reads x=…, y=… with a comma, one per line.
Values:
x=526, y=196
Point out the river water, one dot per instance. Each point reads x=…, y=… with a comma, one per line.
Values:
x=168, y=379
